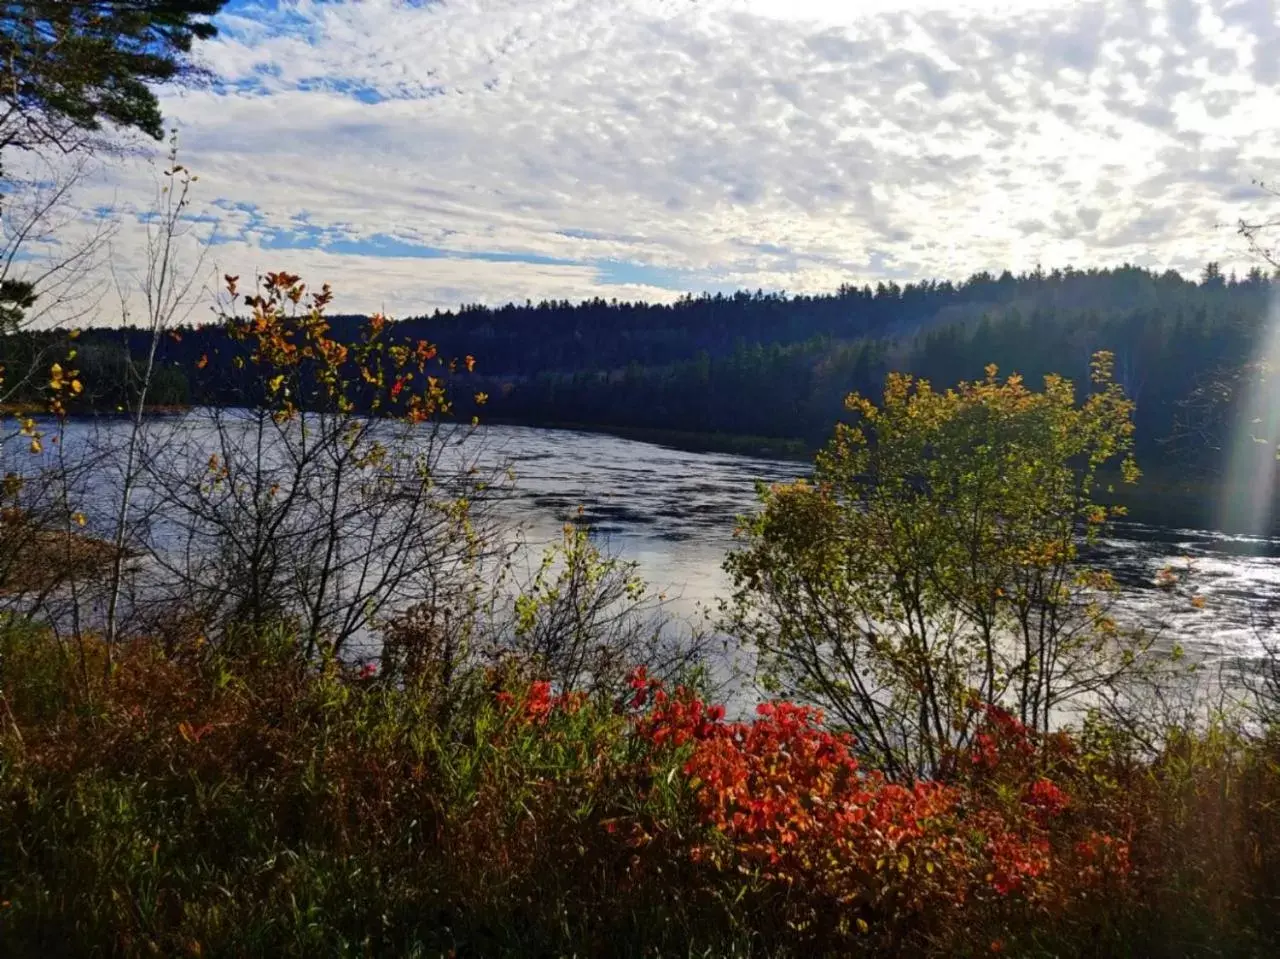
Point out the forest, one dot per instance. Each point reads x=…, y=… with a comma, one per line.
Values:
x=775, y=366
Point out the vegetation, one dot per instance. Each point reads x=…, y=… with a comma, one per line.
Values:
x=67, y=67
x=72, y=74
x=270, y=683
x=933, y=561
x=203, y=753
x=705, y=365
x=195, y=804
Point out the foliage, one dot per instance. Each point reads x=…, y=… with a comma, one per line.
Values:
x=69, y=66
x=933, y=563
x=342, y=812
x=40, y=542
x=585, y=619
x=201, y=804
x=299, y=508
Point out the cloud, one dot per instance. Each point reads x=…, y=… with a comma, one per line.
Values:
x=425, y=154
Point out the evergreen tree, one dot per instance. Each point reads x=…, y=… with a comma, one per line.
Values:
x=67, y=67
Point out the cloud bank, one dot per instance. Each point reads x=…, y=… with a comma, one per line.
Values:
x=419, y=155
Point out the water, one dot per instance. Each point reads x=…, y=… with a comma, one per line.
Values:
x=673, y=513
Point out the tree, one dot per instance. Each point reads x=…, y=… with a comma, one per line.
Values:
x=297, y=510
x=67, y=67
x=932, y=565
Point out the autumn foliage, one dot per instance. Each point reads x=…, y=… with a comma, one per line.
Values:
x=349, y=815
x=286, y=341
x=247, y=786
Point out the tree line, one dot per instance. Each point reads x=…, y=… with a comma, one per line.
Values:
x=772, y=365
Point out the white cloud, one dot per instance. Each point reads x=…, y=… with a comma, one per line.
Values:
x=778, y=143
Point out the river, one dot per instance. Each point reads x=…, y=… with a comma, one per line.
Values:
x=673, y=513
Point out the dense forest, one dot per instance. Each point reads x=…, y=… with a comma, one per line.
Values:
x=773, y=365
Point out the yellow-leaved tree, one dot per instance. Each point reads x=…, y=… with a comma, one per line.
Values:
x=933, y=564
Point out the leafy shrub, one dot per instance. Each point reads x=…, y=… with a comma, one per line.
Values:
x=204, y=805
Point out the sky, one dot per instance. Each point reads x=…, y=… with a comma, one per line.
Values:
x=418, y=155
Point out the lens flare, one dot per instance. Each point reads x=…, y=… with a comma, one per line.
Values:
x=1248, y=496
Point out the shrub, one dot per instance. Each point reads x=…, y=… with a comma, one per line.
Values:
x=934, y=557
x=264, y=806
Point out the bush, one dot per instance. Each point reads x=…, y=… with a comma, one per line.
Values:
x=935, y=556
x=262, y=807
x=258, y=806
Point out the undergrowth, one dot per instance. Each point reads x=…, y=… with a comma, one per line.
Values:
x=195, y=804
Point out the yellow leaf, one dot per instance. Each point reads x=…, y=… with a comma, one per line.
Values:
x=35, y=445
x=79, y=518
x=862, y=925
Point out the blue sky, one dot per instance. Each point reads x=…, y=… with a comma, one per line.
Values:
x=420, y=155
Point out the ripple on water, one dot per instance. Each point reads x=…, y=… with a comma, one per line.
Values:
x=674, y=513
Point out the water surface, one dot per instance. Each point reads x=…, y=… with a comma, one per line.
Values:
x=673, y=512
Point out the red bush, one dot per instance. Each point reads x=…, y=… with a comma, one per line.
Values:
x=785, y=800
